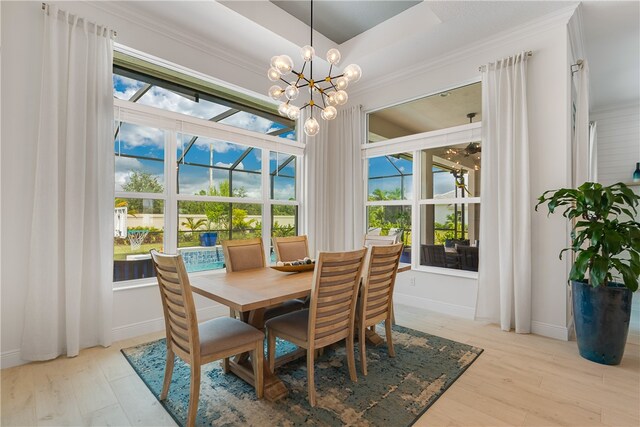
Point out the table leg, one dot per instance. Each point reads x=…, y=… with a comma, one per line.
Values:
x=242, y=364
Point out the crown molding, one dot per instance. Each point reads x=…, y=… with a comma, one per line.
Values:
x=125, y=12
x=534, y=27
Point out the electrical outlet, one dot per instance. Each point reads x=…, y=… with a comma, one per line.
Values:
x=412, y=281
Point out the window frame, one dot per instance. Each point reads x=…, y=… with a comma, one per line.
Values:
x=173, y=124
x=414, y=144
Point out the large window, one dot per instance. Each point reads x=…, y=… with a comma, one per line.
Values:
x=202, y=171
x=432, y=188
x=389, y=197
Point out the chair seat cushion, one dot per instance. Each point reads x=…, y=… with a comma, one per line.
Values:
x=293, y=324
x=284, y=308
x=225, y=333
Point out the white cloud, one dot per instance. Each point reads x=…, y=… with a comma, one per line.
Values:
x=165, y=99
x=137, y=136
x=226, y=165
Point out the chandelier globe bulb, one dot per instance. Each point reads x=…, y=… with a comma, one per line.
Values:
x=331, y=98
x=311, y=126
x=273, y=74
x=291, y=92
x=353, y=73
x=283, y=64
x=294, y=112
x=283, y=109
x=329, y=113
x=307, y=52
x=341, y=97
x=333, y=56
x=276, y=92
x=342, y=83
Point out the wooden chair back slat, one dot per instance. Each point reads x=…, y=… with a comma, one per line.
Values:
x=377, y=292
x=291, y=248
x=181, y=323
x=333, y=295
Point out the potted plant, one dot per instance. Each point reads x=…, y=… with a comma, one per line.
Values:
x=607, y=250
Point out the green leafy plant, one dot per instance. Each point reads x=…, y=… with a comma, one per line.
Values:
x=602, y=242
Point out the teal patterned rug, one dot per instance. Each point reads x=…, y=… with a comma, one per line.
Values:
x=395, y=392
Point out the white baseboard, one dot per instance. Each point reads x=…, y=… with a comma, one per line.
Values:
x=550, y=331
x=433, y=305
x=156, y=325
x=11, y=358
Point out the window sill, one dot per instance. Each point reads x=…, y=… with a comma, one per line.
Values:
x=447, y=272
x=151, y=281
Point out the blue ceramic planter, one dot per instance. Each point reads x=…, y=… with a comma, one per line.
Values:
x=208, y=239
x=602, y=321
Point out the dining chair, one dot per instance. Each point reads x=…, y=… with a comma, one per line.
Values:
x=199, y=343
x=329, y=319
x=376, y=295
x=374, y=239
x=246, y=254
x=291, y=248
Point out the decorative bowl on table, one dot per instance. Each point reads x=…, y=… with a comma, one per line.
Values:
x=305, y=264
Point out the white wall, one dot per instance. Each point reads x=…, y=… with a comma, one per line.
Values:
x=548, y=101
x=135, y=311
x=618, y=134
x=618, y=131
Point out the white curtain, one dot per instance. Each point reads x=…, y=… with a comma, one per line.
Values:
x=315, y=186
x=345, y=174
x=581, y=143
x=69, y=295
x=504, y=274
x=593, y=152
x=333, y=184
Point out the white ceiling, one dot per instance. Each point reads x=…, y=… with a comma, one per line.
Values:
x=257, y=30
x=342, y=20
x=612, y=43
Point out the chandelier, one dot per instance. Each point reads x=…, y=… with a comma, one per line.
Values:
x=329, y=91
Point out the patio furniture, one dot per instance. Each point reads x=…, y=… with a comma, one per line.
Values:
x=468, y=257
x=375, y=239
x=198, y=344
x=132, y=269
x=329, y=319
x=436, y=256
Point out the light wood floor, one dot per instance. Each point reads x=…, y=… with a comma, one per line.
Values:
x=519, y=380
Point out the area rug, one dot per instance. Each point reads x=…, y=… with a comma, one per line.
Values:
x=396, y=391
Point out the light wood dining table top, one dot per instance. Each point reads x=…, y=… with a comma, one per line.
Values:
x=253, y=289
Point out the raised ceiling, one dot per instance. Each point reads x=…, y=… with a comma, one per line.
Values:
x=340, y=21
x=249, y=33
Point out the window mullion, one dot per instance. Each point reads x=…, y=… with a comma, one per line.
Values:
x=415, y=211
x=171, y=203
x=266, y=202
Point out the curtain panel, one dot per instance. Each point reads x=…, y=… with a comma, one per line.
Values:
x=504, y=273
x=333, y=183
x=69, y=283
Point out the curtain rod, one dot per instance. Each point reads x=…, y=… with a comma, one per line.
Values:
x=45, y=7
x=484, y=67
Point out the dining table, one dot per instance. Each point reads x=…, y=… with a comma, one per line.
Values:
x=250, y=293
